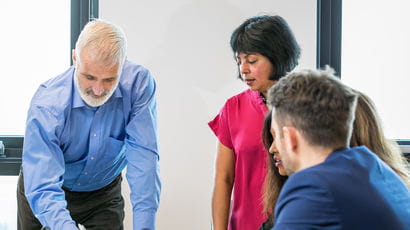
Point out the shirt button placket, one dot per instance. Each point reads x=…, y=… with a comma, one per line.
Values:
x=94, y=138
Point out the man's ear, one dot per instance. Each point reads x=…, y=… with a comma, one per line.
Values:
x=73, y=57
x=290, y=135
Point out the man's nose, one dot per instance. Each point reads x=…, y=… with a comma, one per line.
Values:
x=272, y=148
x=98, y=89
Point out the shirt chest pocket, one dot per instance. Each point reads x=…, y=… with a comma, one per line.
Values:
x=110, y=151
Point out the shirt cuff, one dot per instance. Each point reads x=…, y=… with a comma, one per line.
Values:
x=144, y=220
x=68, y=226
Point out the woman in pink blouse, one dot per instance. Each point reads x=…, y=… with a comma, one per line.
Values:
x=265, y=50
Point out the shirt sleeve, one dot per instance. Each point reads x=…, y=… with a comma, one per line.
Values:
x=43, y=169
x=305, y=203
x=142, y=155
x=220, y=126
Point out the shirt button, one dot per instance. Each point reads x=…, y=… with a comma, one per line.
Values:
x=86, y=173
x=94, y=134
x=92, y=158
x=78, y=184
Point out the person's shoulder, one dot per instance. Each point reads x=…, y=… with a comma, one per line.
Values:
x=353, y=159
x=60, y=81
x=310, y=175
x=55, y=94
x=244, y=95
x=305, y=186
x=133, y=70
x=132, y=65
x=234, y=101
x=135, y=76
x=321, y=177
x=341, y=168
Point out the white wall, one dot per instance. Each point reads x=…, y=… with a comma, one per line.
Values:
x=375, y=58
x=185, y=44
x=33, y=50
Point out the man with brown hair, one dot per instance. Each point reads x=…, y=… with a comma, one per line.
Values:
x=330, y=186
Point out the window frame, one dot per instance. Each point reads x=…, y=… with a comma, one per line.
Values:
x=329, y=34
x=81, y=12
x=329, y=45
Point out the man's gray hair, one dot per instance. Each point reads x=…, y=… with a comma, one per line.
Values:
x=105, y=40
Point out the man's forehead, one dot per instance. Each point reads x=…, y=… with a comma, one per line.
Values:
x=273, y=120
x=101, y=77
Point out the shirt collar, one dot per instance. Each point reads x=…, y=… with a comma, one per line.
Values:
x=257, y=97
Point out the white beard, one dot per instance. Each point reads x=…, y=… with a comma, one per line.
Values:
x=86, y=94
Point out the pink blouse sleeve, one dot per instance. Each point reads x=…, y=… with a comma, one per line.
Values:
x=220, y=126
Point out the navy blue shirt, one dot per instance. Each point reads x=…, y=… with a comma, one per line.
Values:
x=351, y=189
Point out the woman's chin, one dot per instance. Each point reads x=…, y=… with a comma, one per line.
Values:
x=282, y=171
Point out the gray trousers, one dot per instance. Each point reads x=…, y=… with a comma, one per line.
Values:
x=100, y=209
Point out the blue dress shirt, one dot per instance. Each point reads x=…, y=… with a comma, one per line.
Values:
x=68, y=143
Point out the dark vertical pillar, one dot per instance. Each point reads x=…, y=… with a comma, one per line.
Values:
x=82, y=11
x=329, y=34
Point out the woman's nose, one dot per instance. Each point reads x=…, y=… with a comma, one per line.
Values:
x=244, y=68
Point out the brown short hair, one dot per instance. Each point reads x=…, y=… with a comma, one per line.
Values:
x=318, y=104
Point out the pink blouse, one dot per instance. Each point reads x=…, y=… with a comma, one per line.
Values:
x=239, y=127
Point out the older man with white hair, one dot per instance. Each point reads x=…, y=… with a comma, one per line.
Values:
x=83, y=128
